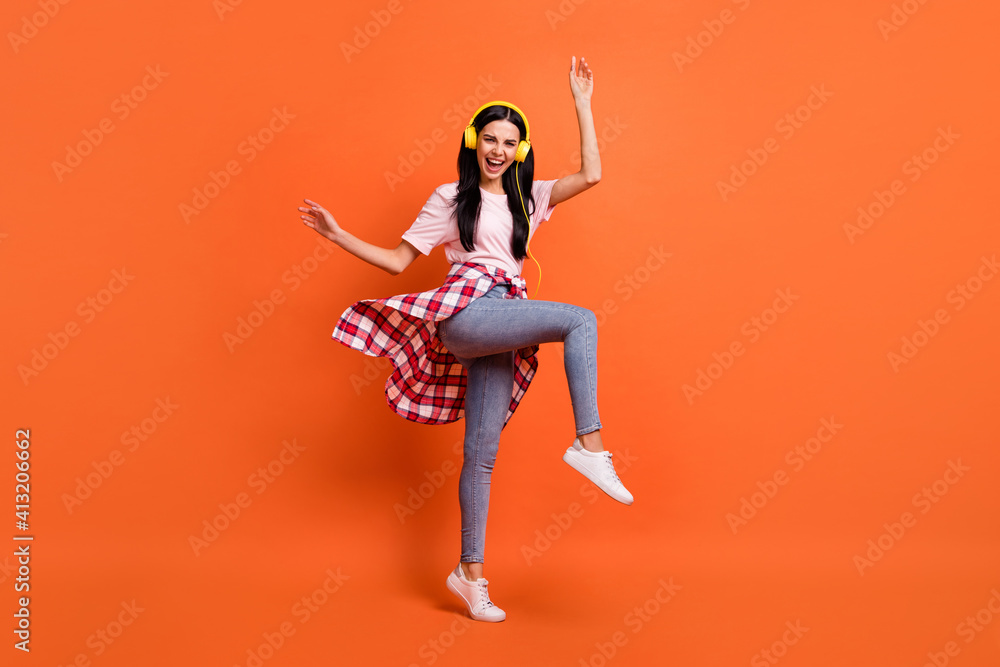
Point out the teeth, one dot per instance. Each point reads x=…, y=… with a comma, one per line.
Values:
x=495, y=163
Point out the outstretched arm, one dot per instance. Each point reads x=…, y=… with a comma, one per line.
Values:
x=581, y=83
x=390, y=260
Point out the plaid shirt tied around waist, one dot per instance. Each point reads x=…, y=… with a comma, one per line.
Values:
x=428, y=383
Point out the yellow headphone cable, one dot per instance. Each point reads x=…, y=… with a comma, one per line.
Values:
x=528, y=242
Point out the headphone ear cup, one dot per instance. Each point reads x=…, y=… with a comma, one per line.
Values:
x=471, y=140
x=522, y=151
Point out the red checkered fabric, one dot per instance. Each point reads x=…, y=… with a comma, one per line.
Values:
x=428, y=383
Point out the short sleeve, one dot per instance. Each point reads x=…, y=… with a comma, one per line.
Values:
x=434, y=223
x=542, y=191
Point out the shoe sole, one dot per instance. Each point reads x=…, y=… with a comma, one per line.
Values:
x=583, y=471
x=454, y=589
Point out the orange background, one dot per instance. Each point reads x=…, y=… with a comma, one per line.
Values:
x=671, y=134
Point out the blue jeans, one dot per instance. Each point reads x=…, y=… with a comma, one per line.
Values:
x=484, y=336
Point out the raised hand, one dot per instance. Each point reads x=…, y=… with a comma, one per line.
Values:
x=320, y=219
x=581, y=80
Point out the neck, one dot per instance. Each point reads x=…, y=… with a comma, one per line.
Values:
x=494, y=186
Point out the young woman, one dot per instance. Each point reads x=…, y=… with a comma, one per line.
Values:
x=469, y=347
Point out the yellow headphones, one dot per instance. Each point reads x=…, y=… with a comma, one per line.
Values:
x=472, y=138
x=472, y=141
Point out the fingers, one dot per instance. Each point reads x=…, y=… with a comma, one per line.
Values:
x=315, y=217
x=582, y=69
x=309, y=219
x=313, y=210
x=314, y=206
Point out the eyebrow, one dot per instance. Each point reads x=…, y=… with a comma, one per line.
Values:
x=490, y=136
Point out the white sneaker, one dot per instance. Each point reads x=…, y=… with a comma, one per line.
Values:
x=475, y=596
x=598, y=468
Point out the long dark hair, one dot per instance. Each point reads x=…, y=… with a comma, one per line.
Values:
x=468, y=201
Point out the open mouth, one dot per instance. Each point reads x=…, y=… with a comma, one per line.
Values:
x=494, y=166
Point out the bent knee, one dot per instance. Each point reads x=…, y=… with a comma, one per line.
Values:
x=588, y=318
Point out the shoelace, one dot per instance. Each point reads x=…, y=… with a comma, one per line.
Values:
x=484, y=599
x=611, y=466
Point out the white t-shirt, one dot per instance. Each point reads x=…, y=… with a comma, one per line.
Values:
x=436, y=224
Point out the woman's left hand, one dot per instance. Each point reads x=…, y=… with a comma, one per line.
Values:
x=581, y=80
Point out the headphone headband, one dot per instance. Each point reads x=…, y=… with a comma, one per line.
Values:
x=527, y=129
